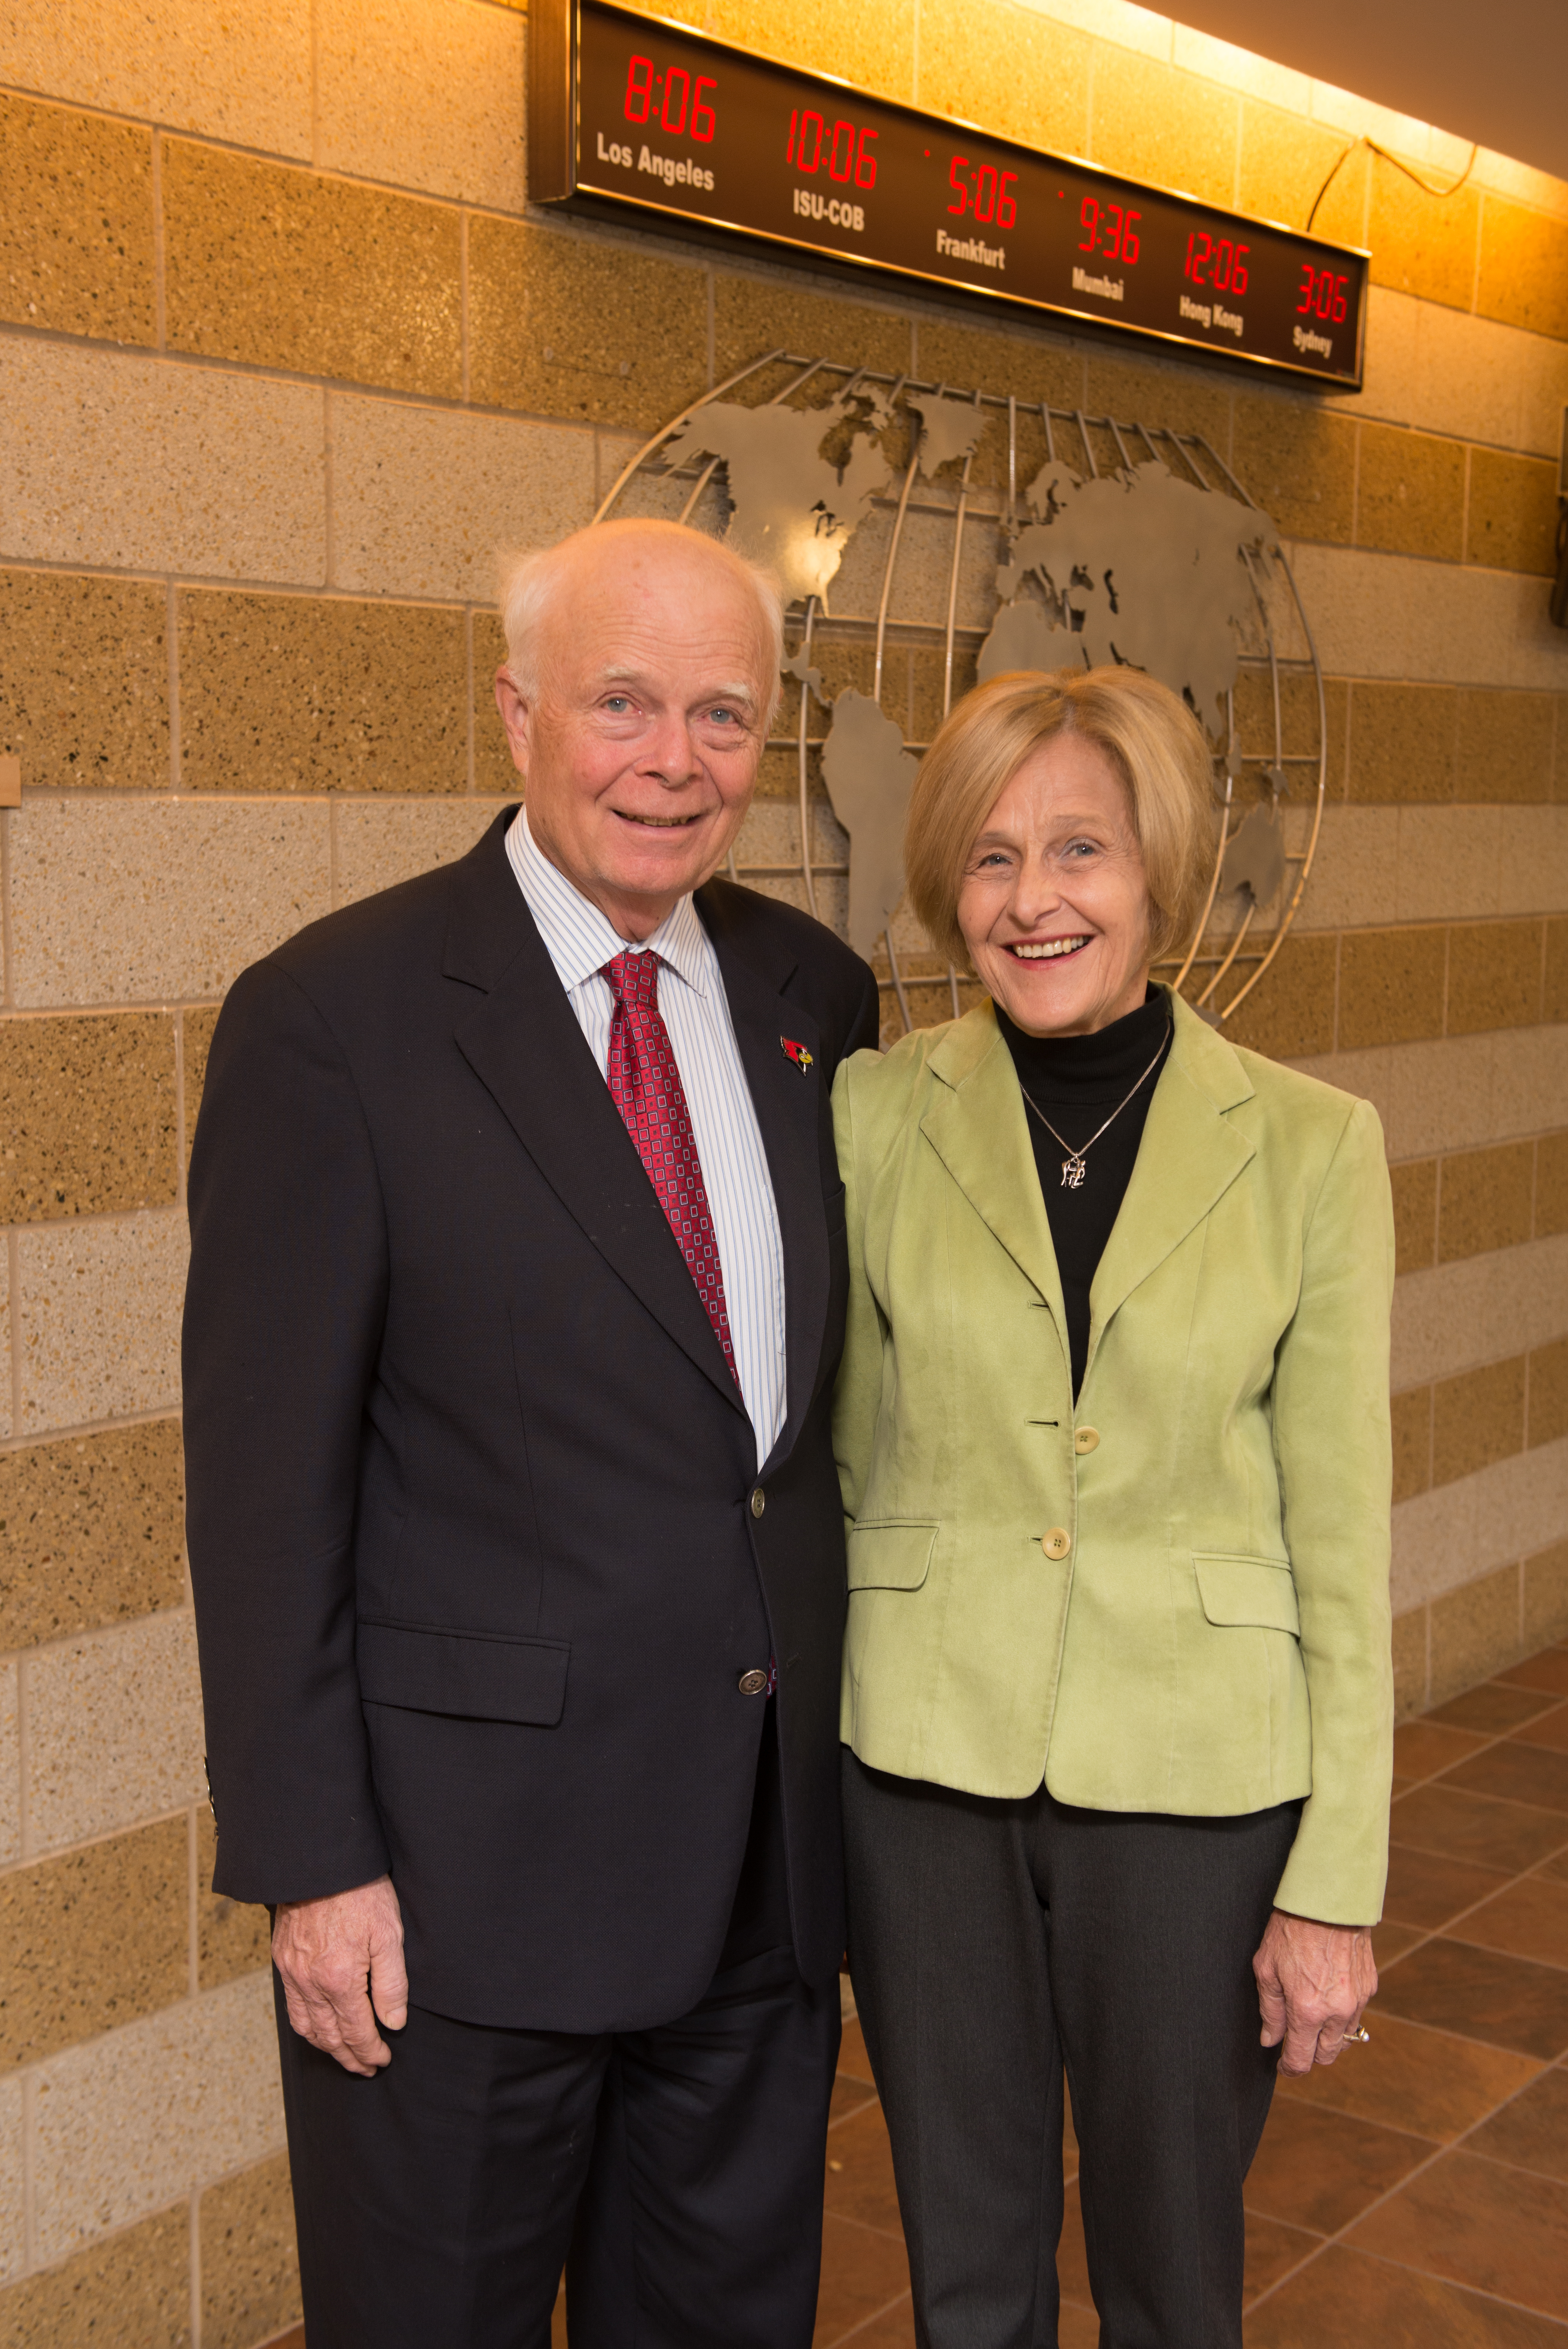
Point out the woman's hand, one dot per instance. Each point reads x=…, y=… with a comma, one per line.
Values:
x=1313, y=1982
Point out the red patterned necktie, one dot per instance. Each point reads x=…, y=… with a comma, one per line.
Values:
x=645, y=1087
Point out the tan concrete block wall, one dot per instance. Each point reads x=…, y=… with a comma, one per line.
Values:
x=284, y=359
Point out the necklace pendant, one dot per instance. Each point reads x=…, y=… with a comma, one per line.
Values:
x=1073, y=1171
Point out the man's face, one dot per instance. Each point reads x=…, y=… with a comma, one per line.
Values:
x=640, y=752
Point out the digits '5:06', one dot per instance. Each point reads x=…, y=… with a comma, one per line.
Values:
x=991, y=195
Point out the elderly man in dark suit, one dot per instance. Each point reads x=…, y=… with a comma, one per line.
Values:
x=517, y=1291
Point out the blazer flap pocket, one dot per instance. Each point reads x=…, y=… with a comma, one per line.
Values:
x=462, y=1672
x=895, y=1555
x=1259, y=1591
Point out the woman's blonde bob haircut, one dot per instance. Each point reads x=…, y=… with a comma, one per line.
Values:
x=1148, y=733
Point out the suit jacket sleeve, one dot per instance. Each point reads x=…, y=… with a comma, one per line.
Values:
x=1331, y=1426
x=283, y=1325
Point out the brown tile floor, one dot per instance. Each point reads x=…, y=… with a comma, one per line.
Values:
x=1414, y=2195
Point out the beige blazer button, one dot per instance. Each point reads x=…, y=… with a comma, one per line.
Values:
x=759, y=1502
x=1057, y=1543
x=1087, y=1439
x=752, y=1683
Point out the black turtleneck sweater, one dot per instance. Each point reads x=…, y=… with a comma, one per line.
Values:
x=1077, y=1081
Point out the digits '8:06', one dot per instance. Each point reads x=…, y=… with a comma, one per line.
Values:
x=677, y=92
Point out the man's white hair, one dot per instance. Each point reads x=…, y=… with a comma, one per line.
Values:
x=530, y=587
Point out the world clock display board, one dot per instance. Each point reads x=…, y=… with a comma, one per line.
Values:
x=630, y=115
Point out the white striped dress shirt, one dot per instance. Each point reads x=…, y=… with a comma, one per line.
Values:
x=580, y=940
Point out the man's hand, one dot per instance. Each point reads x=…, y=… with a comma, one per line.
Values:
x=1312, y=1983
x=325, y=1951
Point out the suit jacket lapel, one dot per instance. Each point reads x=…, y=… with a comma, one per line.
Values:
x=1189, y=1156
x=523, y=1042
x=978, y=1128
x=789, y=1106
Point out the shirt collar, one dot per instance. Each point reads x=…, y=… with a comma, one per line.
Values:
x=579, y=938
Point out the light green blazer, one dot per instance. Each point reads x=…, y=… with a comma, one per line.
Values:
x=1214, y=1635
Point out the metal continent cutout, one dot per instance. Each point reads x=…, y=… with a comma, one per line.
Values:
x=1136, y=567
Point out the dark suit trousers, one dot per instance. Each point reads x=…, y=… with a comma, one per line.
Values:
x=993, y=1943
x=677, y=2172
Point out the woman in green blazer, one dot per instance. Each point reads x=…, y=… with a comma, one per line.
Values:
x=1112, y=1429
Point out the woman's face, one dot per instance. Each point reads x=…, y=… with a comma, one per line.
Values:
x=1053, y=905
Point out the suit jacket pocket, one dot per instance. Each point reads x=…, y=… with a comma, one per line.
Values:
x=1256, y=1590
x=479, y=1675
x=891, y=1552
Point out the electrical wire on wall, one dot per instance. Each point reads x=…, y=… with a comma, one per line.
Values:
x=1425, y=185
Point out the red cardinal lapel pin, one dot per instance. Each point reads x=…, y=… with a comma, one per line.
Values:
x=795, y=1052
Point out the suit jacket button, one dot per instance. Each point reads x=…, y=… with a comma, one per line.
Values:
x=1086, y=1439
x=759, y=1502
x=1057, y=1543
x=752, y=1683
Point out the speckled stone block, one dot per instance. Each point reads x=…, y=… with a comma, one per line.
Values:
x=871, y=48
x=143, y=901
x=423, y=94
x=1030, y=366
x=1389, y=616
x=92, y=1531
x=98, y=1318
x=1475, y=1631
x=1409, y=1663
x=10, y=1776
x=84, y=686
x=1402, y=741
x=565, y=324
x=1524, y=268
x=1290, y=1012
x=381, y=844
x=152, y=465
x=1504, y=746
x=1021, y=75
x=93, y=1939
x=1285, y=161
x=1155, y=123
x=1479, y=1308
x=87, y=1115
x=247, y=82
x=306, y=693
x=232, y=1937
x=1422, y=243
x=1410, y=494
x=1513, y=517
x=494, y=771
x=284, y=268
x=75, y=235
x=424, y=499
x=114, y=1730
x=135, y=2289
x=196, y=1042
x=1546, y=1596
x=249, y=2264
x=152, y=2110
x=761, y=312
x=1299, y=463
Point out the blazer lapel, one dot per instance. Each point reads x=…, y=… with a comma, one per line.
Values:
x=1189, y=1157
x=523, y=1042
x=788, y=1107
x=978, y=1128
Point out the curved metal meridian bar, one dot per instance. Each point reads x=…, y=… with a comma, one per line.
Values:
x=1301, y=879
x=804, y=808
x=1218, y=853
x=893, y=557
x=953, y=578
x=666, y=431
x=897, y=980
x=1243, y=927
x=1230, y=763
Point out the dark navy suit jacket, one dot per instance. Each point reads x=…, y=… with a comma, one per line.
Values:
x=477, y=1560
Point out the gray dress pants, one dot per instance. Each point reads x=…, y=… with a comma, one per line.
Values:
x=993, y=1943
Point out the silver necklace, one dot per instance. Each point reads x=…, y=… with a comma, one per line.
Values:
x=1073, y=1167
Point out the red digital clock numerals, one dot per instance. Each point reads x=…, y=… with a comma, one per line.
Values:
x=838, y=149
x=1111, y=230
x=991, y=194
x=680, y=106
x=1225, y=264
x=1323, y=296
